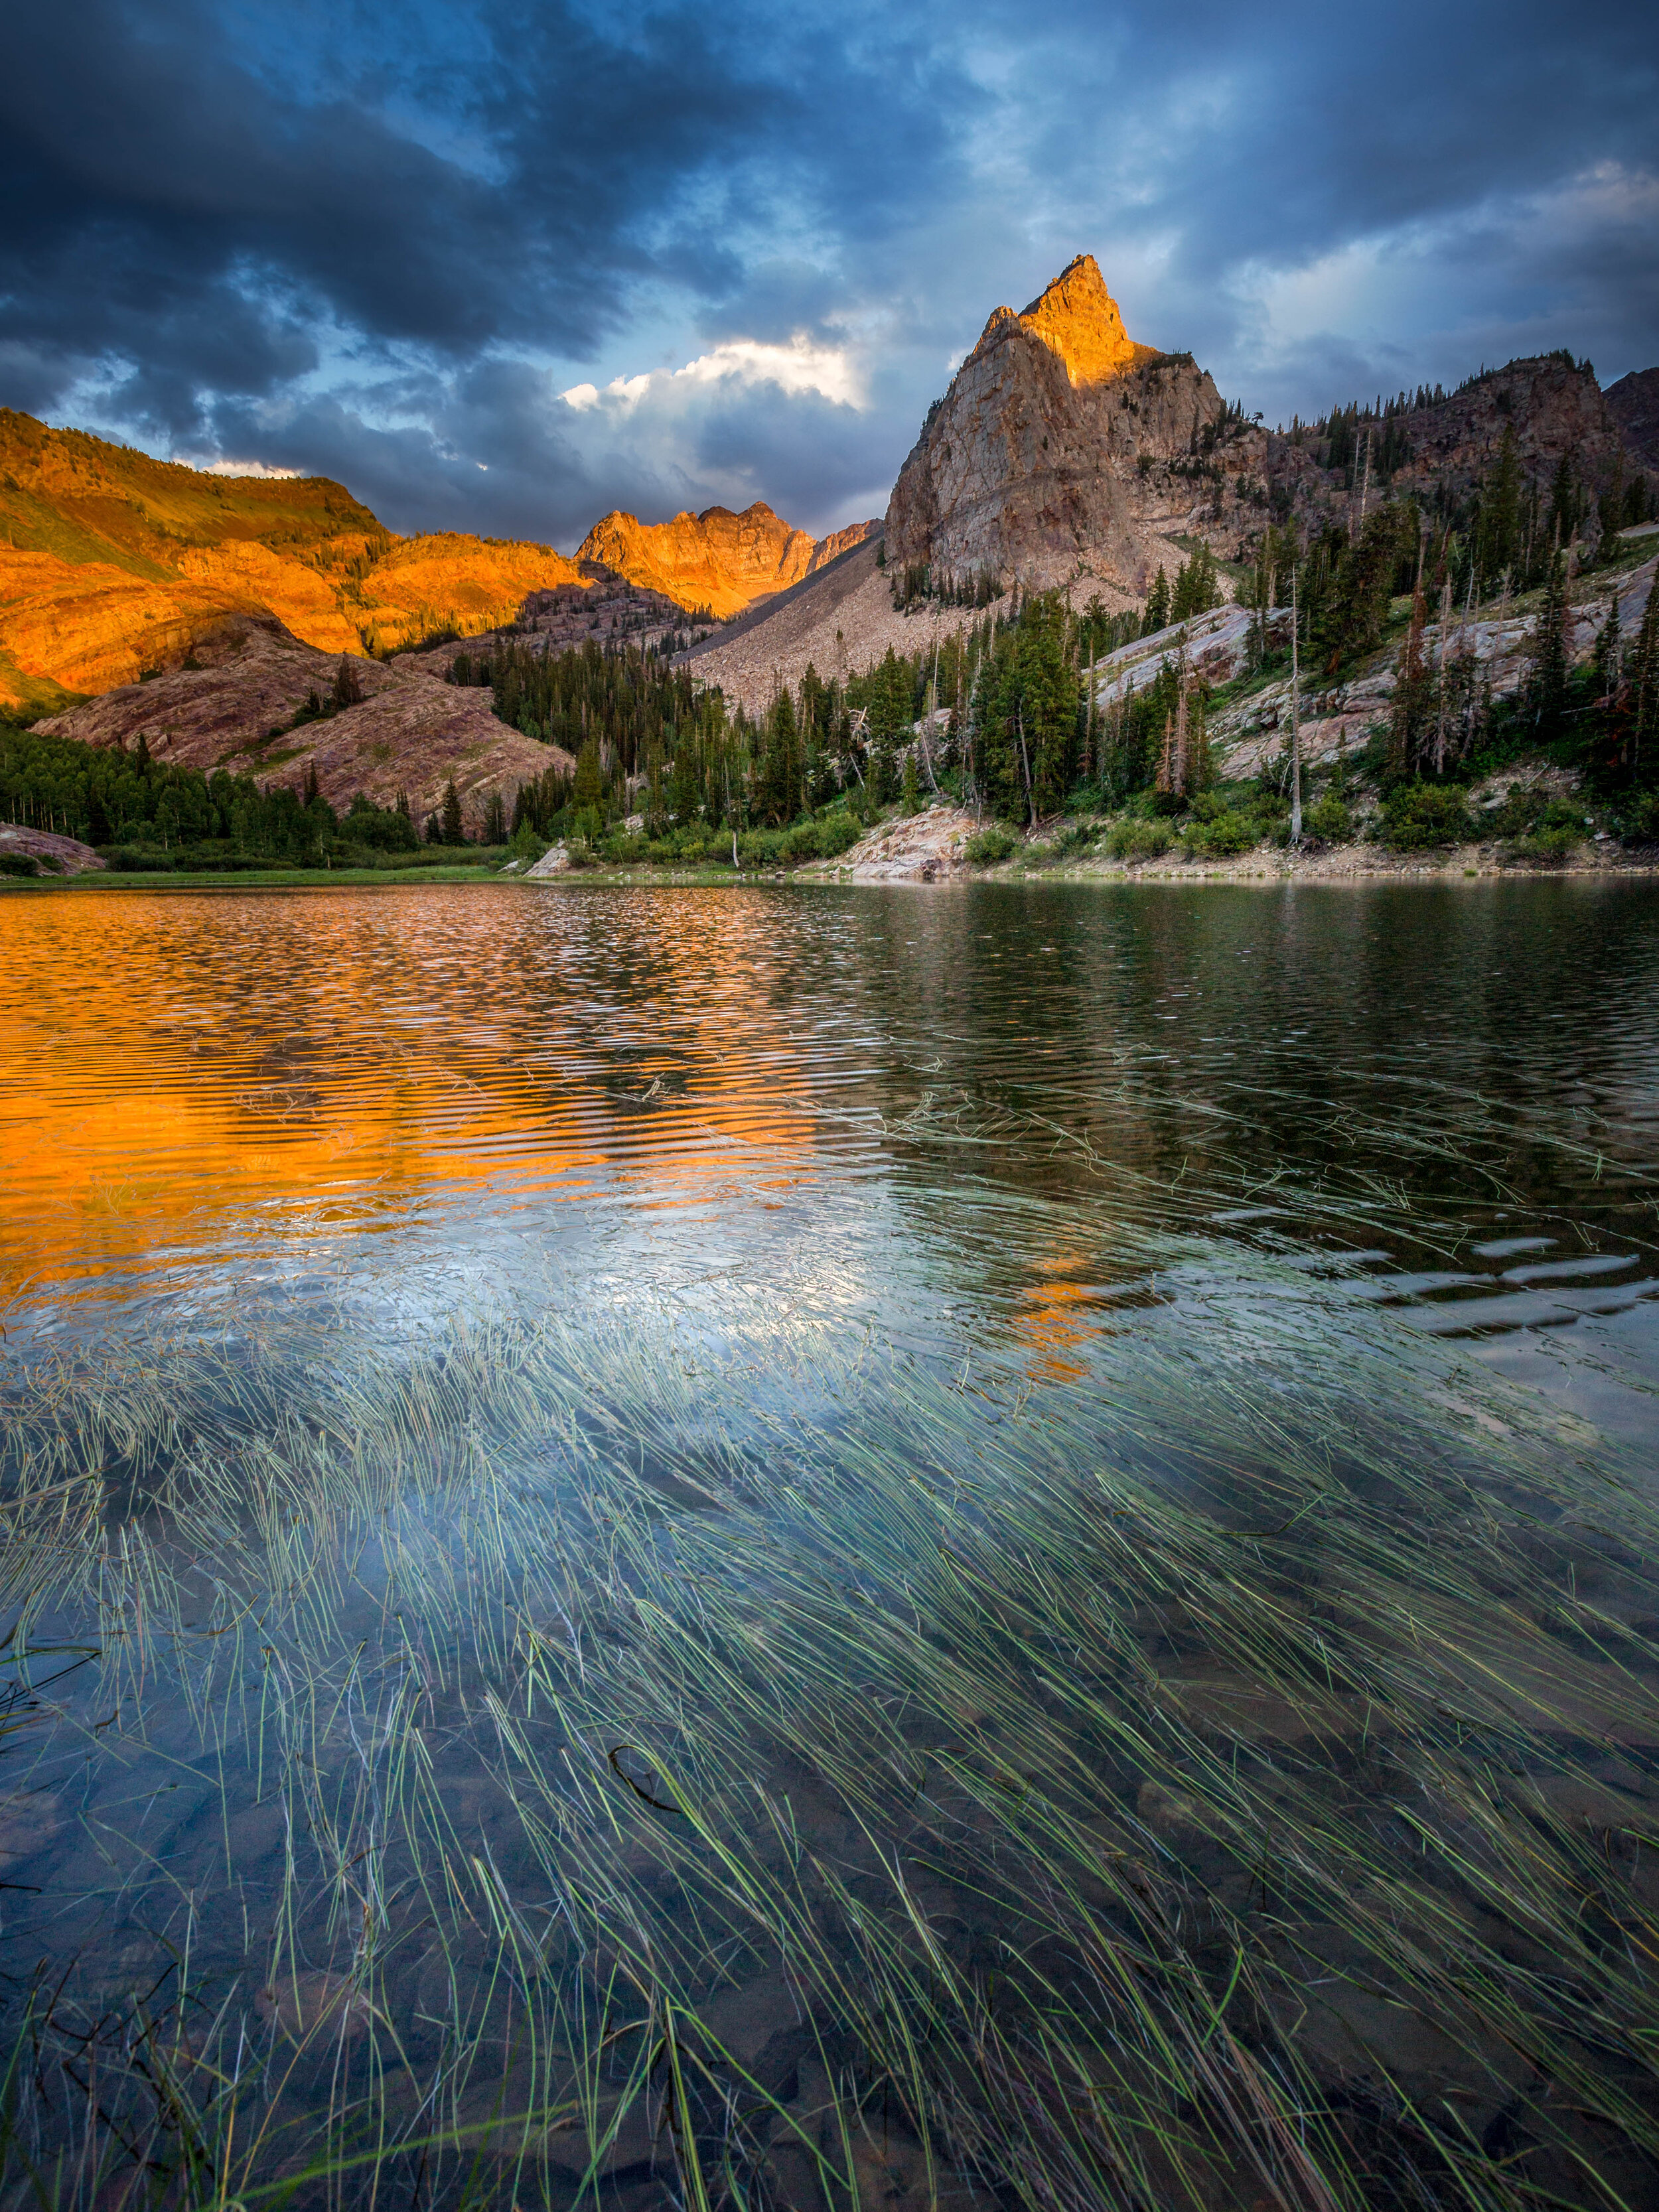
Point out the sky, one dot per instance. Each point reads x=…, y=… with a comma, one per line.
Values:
x=502, y=267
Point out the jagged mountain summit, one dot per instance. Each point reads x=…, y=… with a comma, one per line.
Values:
x=1058, y=447
x=717, y=559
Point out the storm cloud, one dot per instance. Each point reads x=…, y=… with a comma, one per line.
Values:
x=502, y=267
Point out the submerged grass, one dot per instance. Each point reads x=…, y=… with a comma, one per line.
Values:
x=553, y=1764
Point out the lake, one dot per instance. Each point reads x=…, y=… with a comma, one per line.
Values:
x=985, y=1544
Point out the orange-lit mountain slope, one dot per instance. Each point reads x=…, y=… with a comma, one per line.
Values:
x=717, y=560
x=113, y=564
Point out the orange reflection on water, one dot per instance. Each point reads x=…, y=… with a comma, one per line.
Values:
x=189, y=1075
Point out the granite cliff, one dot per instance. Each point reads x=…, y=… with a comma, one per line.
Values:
x=1633, y=402
x=1059, y=448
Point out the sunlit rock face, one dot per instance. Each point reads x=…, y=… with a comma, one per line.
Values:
x=1077, y=319
x=1032, y=463
x=717, y=560
x=113, y=565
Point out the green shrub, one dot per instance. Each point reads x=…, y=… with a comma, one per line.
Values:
x=1423, y=814
x=1546, y=844
x=1223, y=836
x=1329, y=820
x=1132, y=839
x=17, y=864
x=1540, y=828
x=137, y=859
x=990, y=845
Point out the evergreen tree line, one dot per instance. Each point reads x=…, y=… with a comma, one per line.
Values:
x=165, y=815
x=1196, y=589
x=618, y=698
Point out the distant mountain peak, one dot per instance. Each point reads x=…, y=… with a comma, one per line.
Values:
x=718, y=560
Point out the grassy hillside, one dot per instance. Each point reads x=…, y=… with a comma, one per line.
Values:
x=113, y=564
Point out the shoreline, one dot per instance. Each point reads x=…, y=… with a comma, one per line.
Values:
x=1246, y=871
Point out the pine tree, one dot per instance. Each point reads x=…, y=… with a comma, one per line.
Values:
x=1414, y=694
x=588, y=797
x=453, y=830
x=777, y=781
x=1498, y=530
x=494, y=829
x=1156, y=617
x=1609, y=654
x=1546, y=680
x=1561, y=523
x=1197, y=586
x=912, y=788
x=347, y=686
x=1645, y=684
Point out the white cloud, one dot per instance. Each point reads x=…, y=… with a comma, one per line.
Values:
x=228, y=468
x=797, y=368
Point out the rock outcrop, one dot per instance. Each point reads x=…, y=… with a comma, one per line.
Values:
x=717, y=560
x=1440, y=450
x=1633, y=402
x=113, y=564
x=410, y=732
x=1058, y=447
x=53, y=855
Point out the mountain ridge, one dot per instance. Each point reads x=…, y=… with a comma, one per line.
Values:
x=113, y=564
x=719, y=560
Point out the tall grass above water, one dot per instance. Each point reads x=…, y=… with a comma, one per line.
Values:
x=561, y=1764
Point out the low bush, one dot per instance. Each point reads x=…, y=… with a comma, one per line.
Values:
x=1420, y=815
x=989, y=845
x=17, y=864
x=1329, y=820
x=1222, y=835
x=1541, y=827
x=136, y=860
x=1546, y=844
x=822, y=838
x=1132, y=839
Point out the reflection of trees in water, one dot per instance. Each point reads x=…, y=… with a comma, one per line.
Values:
x=1396, y=1070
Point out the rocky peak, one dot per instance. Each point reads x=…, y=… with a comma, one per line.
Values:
x=1061, y=448
x=1077, y=318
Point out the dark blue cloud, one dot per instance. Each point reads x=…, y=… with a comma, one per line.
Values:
x=380, y=240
